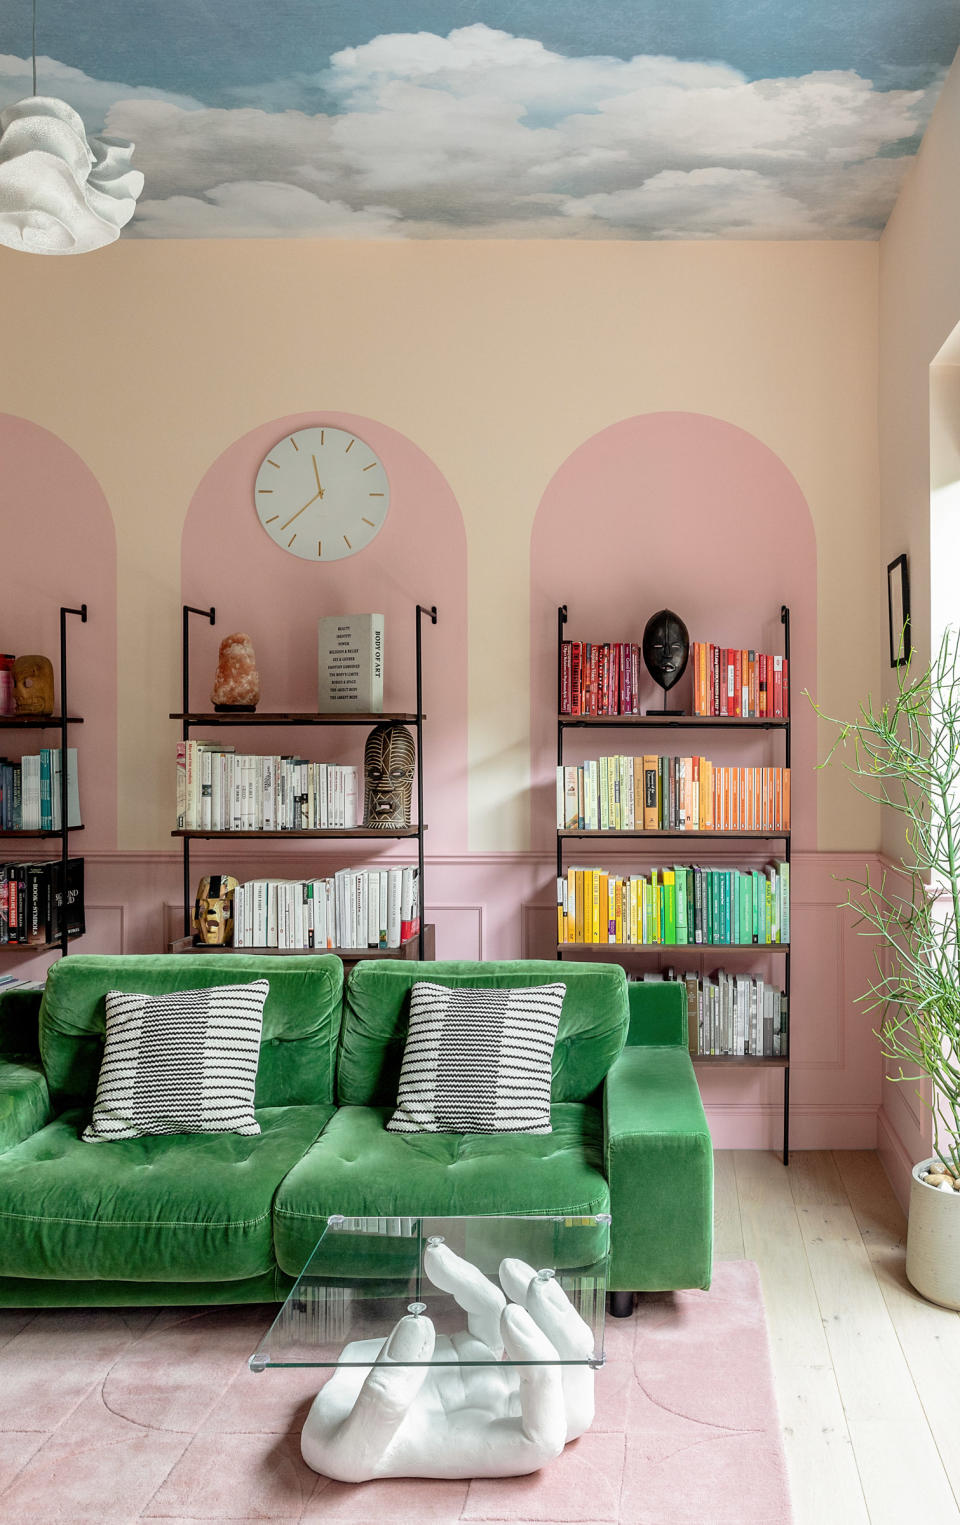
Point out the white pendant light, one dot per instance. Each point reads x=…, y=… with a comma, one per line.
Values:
x=60, y=192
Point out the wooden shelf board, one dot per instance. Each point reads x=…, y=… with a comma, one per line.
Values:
x=12, y=834
x=332, y=833
x=673, y=947
x=657, y=722
x=293, y=717
x=347, y=954
x=745, y=1061
x=680, y=836
x=36, y=722
x=38, y=947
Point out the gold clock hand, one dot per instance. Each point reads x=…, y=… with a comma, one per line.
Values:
x=302, y=510
x=316, y=472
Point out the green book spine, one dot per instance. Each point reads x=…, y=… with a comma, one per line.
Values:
x=785, y=898
x=669, y=906
x=604, y=795
x=680, y=879
x=688, y=875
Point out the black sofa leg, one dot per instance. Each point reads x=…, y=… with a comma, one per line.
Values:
x=621, y=1304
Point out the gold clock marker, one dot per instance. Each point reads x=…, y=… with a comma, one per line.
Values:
x=292, y=539
x=319, y=547
x=265, y=489
x=271, y=519
x=370, y=467
x=376, y=495
x=321, y=437
x=350, y=446
x=349, y=546
x=368, y=521
x=294, y=444
x=274, y=464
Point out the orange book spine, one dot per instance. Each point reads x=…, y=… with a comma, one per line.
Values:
x=786, y=799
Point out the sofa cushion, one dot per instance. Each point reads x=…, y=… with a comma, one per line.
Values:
x=181, y=1063
x=593, y=1023
x=179, y=1208
x=359, y=1169
x=301, y=1017
x=477, y=1061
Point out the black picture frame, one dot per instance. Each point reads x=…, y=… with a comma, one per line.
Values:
x=898, y=611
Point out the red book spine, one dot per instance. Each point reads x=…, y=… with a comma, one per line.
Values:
x=762, y=684
x=785, y=706
x=576, y=678
x=594, y=679
x=723, y=710
x=777, y=687
x=566, y=677
x=635, y=669
x=715, y=679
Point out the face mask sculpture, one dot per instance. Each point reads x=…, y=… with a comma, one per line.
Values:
x=666, y=647
x=33, y=686
x=389, y=760
x=213, y=910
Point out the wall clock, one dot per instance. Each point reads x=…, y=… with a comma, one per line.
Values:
x=322, y=494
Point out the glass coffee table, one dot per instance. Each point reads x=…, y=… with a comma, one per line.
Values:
x=453, y=1346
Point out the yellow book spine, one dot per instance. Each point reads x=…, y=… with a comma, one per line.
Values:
x=595, y=907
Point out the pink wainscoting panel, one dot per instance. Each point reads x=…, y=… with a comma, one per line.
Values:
x=133, y=907
x=59, y=547
x=419, y=556
x=687, y=512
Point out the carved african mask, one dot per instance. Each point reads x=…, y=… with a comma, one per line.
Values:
x=213, y=909
x=666, y=647
x=389, y=760
x=33, y=686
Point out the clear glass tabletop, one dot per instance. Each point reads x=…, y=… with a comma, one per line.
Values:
x=366, y=1274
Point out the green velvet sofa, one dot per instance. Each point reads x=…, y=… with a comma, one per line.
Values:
x=221, y=1218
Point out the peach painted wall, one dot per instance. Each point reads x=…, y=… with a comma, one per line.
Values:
x=276, y=598
x=493, y=362
x=58, y=548
x=919, y=310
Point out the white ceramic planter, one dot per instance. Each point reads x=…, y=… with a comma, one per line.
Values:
x=933, y=1239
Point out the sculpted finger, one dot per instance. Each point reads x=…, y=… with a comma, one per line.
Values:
x=543, y=1415
x=550, y=1308
x=391, y=1386
x=482, y=1302
x=515, y=1278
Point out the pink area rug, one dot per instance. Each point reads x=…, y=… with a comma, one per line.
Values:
x=118, y=1417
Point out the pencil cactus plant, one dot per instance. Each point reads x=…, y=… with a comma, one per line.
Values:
x=905, y=755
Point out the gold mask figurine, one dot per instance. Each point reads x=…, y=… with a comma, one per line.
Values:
x=389, y=762
x=213, y=910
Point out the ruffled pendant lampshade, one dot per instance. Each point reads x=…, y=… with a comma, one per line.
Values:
x=60, y=192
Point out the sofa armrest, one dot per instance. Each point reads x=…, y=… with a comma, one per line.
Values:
x=24, y=1102
x=20, y=1024
x=658, y=1156
x=658, y=1012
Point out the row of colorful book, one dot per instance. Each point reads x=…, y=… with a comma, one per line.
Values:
x=750, y=685
x=599, y=679
x=31, y=902
x=734, y=1015
x=670, y=794
x=30, y=790
x=353, y=908
x=219, y=789
x=682, y=905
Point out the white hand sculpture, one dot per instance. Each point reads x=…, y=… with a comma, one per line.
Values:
x=455, y=1420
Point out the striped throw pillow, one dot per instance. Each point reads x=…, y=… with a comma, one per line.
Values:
x=478, y=1061
x=179, y=1063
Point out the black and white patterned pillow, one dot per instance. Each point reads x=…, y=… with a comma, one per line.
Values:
x=179, y=1063
x=478, y=1061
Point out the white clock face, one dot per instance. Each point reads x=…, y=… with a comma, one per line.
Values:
x=322, y=494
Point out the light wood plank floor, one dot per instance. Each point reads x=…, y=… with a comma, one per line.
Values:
x=867, y=1373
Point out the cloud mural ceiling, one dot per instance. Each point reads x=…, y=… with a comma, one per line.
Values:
x=653, y=119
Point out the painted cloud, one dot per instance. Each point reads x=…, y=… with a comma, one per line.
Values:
x=484, y=134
